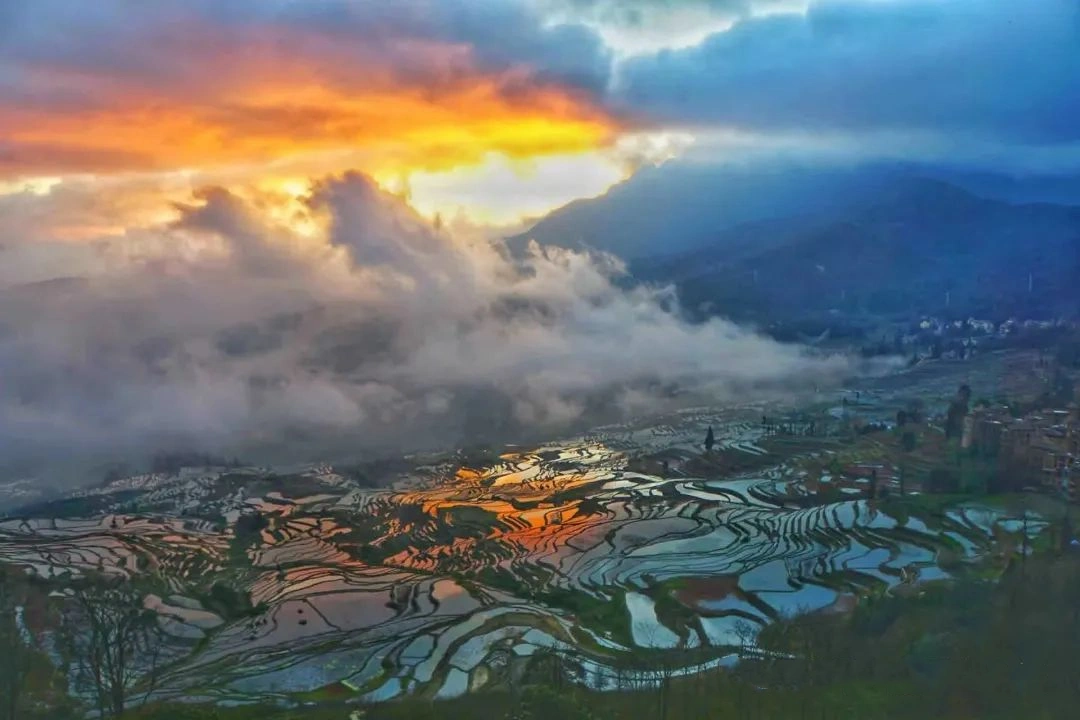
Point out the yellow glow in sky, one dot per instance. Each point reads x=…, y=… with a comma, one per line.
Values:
x=500, y=190
x=32, y=185
x=496, y=189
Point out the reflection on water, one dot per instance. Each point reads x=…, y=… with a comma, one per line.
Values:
x=449, y=575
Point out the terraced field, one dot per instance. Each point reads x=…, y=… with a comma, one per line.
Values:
x=440, y=582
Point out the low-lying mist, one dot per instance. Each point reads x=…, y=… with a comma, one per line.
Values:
x=344, y=323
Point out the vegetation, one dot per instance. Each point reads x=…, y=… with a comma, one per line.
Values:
x=228, y=602
x=14, y=652
x=114, y=645
x=943, y=649
x=967, y=649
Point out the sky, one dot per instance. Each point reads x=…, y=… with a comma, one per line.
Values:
x=232, y=220
x=497, y=111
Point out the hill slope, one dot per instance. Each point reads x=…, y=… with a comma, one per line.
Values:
x=922, y=246
x=681, y=206
x=778, y=241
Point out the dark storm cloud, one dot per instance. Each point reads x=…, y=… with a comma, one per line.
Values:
x=501, y=33
x=1007, y=71
x=116, y=85
x=170, y=41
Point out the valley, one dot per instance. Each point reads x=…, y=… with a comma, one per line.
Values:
x=611, y=548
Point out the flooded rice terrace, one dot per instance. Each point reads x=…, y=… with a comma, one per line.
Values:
x=441, y=582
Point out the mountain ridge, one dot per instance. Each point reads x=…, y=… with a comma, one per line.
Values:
x=883, y=241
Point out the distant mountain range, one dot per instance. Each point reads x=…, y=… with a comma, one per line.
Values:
x=787, y=242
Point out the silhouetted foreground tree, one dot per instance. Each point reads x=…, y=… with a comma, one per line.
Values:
x=113, y=643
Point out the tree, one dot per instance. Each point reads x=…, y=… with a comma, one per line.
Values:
x=1065, y=533
x=14, y=651
x=963, y=394
x=229, y=602
x=114, y=643
x=249, y=524
x=710, y=440
x=907, y=442
x=954, y=421
x=958, y=410
x=943, y=480
x=915, y=411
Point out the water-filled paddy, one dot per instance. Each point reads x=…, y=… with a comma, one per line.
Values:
x=436, y=583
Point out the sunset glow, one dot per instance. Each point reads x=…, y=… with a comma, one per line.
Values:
x=399, y=129
x=680, y=359
x=276, y=107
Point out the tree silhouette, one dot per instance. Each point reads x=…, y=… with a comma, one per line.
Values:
x=710, y=440
x=114, y=641
x=958, y=410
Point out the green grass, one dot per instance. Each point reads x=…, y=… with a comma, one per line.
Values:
x=606, y=616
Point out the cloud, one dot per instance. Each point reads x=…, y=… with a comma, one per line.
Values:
x=969, y=68
x=431, y=85
x=239, y=334
x=634, y=27
x=113, y=86
x=160, y=42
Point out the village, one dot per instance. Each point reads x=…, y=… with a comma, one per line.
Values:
x=970, y=422
x=1040, y=450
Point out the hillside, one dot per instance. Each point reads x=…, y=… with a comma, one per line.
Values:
x=923, y=247
x=785, y=242
x=678, y=207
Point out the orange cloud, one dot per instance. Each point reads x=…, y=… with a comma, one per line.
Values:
x=164, y=99
x=281, y=111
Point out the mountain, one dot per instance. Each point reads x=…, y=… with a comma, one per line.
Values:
x=1056, y=189
x=923, y=246
x=775, y=242
x=681, y=205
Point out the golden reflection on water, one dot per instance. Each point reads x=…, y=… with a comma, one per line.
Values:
x=526, y=501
